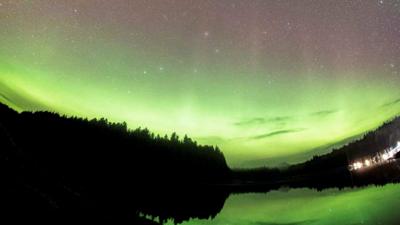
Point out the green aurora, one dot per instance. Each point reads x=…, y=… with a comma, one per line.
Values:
x=264, y=91
x=371, y=205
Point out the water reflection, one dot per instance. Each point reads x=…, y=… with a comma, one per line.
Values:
x=370, y=205
x=179, y=204
x=371, y=197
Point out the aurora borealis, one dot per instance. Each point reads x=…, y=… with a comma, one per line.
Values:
x=370, y=205
x=266, y=81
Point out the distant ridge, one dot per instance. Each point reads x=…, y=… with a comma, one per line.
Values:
x=331, y=169
x=53, y=162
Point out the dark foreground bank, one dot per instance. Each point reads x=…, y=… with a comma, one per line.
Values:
x=61, y=168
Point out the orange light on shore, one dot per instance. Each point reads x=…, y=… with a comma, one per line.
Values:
x=385, y=156
x=357, y=165
x=379, y=158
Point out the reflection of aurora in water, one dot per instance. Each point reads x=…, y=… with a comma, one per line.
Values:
x=380, y=158
x=269, y=82
x=371, y=205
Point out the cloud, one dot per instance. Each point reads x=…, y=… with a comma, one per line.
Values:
x=278, y=132
x=323, y=113
x=290, y=223
x=253, y=121
x=6, y=98
x=394, y=102
x=261, y=120
x=19, y=102
x=278, y=161
x=279, y=119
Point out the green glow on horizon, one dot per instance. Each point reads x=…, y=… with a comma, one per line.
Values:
x=270, y=106
x=371, y=205
x=354, y=109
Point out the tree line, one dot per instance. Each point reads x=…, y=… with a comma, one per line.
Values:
x=64, y=162
x=331, y=169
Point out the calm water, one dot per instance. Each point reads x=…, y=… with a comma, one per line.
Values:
x=371, y=205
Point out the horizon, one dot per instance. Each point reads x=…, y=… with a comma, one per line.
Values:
x=264, y=163
x=265, y=82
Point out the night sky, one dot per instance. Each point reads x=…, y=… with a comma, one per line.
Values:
x=266, y=81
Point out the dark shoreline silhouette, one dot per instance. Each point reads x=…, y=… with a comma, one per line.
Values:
x=331, y=169
x=98, y=169
x=59, y=168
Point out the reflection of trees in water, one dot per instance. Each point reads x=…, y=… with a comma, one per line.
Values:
x=96, y=169
x=100, y=170
x=331, y=170
x=204, y=203
x=182, y=203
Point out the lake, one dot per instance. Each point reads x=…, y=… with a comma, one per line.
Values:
x=370, y=205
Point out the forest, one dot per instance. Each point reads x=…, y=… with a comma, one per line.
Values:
x=97, y=169
x=51, y=162
x=331, y=169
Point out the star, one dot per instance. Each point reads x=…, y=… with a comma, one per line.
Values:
x=280, y=55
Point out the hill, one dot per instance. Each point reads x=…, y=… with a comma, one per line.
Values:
x=331, y=170
x=51, y=162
